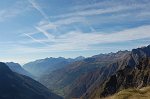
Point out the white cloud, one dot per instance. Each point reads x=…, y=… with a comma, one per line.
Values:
x=48, y=35
x=34, y=40
x=16, y=9
x=70, y=20
x=38, y=8
x=80, y=16
x=98, y=11
x=77, y=40
x=93, y=5
x=46, y=25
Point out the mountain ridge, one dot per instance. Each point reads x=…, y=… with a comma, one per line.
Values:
x=134, y=73
x=82, y=79
x=41, y=66
x=16, y=67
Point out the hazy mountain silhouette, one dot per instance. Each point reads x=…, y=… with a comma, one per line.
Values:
x=47, y=65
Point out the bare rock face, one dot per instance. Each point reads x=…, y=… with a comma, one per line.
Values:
x=136, y=73
x=129, y=78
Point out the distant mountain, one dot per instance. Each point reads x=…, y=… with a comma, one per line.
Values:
x=47, y=65
x=70, y=81
x=15, y=67
x=78, y=58
x=16, y=86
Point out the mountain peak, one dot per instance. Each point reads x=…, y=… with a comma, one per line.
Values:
x=142, y=51
x=13, y=64
x=80, y=58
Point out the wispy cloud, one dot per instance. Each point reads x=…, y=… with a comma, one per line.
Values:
x=96, y=38
x=80, y=14
x=38, y=8
x=35, y=40
x=17, y=8
x=48, y=35
x=59, y=23
x=108, y=9
x=78, y=40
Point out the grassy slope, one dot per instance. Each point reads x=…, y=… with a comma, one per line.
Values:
x=143, y=93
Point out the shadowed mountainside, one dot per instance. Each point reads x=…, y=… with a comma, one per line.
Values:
x=16, y=86
x=15, y=67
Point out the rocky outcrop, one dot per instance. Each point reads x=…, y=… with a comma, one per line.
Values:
x=133, y=73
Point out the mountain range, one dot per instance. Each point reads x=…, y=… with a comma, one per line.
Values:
x=71, y=80
x=101, y=75
x=133, y=71
x=43, y=66
x=96, y=77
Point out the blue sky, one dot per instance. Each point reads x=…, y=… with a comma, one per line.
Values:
x=33, y=29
